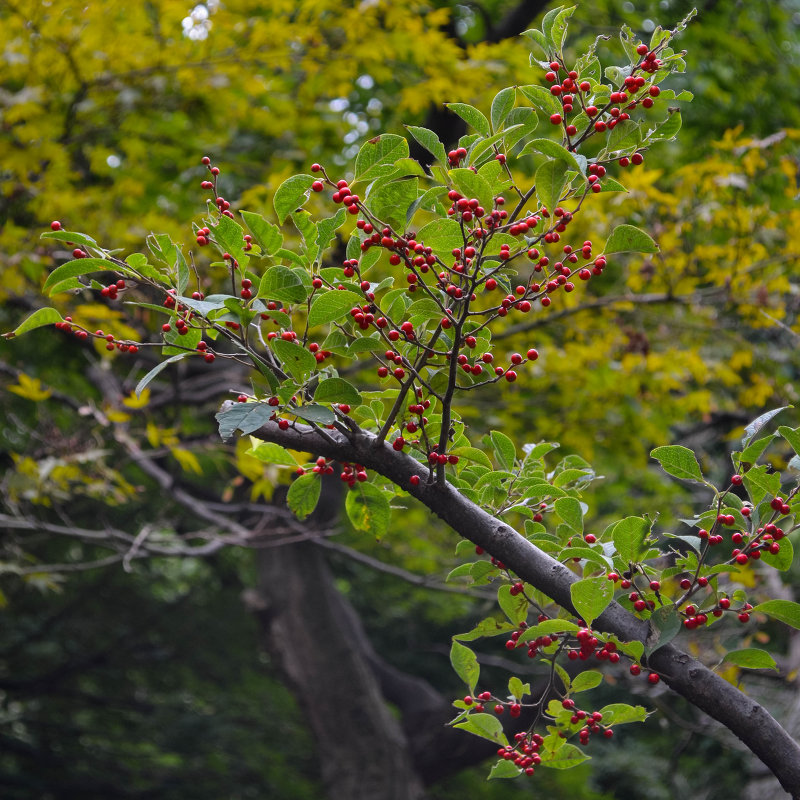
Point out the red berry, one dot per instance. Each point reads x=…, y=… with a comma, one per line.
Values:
x=555, y=118
x=653, y=678
x=511, y=376
x=414, y=481
x=55, y=225
x=642, y=49
x=635, y=669
x=317, y=186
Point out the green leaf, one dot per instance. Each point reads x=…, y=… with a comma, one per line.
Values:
x=550, y=148
x=230, y=238
x=542, y=99
x=142, y=385
x=501, y=106
x=326, y=231
x=268, y=236
x=368, y=509
x=591, y=596
x=303, y=495
x=759, y=422
x=377, y=157
x=621, y=713
x=678, y=461
x=430, y=141
x=80, y=266
x=783, y=610
x=761, y=483
x=390, y=201
x=551, y=178
x=465, y=664
x=504, y=769
x=298, y=361
x=518, y=689
x=442, y=236
x=629, y=239
x=625, y=136
x=314, y=413
x=332, y=306
x=485, y=726
x=472, y=117
x=548, y=21
x=665, y=624
x=72, y=237
x=514, y=607
x=336, y=390
x=628, y=536
x=247, y=417
x=667, y=129
x=751, y=658
x=39, y=319
x=271, y=453
x=754, y=450
x=558, y=31
x=487, y=627
x=792, y=435
x=504, y=450
x=588, y=679
x=472, y=185
x=570, y=511
x=565, y=757
x=472, y=454
x=282, y=284
x=291, y=195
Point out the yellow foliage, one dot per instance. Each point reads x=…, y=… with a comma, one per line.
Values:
x=30, y=389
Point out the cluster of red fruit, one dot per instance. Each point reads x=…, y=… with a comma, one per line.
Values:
x=223, y=205
x=68, y=326
x=352, y=472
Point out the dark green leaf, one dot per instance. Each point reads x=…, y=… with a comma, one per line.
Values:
x=315, y=413
x=247, y=417
x=504, y=450
x=336, y=390
x=485, y=726
x=665, y=624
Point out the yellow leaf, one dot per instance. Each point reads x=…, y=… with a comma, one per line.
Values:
x=117, y=416
x=187, y=459
x=132, y=401
x=30, y=389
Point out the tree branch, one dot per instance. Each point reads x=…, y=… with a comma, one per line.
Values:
x=744, y=717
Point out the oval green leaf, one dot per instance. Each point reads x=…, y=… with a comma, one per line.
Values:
x=368, y=509
x=332, y=306
x=291, y=195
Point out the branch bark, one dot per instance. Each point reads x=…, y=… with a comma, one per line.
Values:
x=744, y=717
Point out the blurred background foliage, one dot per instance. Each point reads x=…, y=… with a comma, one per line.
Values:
x=153, y=682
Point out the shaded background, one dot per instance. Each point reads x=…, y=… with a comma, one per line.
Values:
x=313, y=664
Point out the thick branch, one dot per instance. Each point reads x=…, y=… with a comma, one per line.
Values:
x=747, y=719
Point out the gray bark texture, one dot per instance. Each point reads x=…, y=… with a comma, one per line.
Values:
x=743, y=716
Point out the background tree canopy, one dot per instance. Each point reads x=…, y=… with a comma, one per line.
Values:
x=176, y=672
